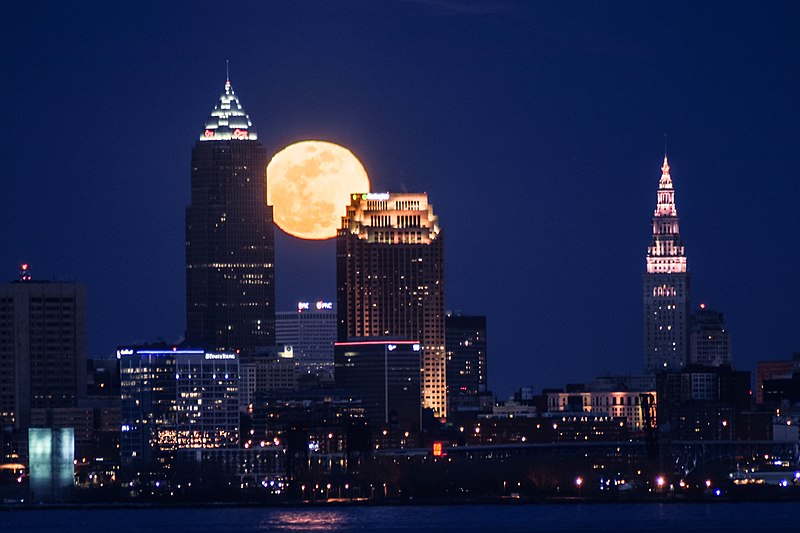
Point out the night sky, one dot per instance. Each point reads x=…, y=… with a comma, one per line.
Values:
x=537, y=130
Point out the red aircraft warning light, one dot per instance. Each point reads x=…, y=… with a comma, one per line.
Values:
x=24, y=274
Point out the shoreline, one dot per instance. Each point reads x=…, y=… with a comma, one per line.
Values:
x=316, y=504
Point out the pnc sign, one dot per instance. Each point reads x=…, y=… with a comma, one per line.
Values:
x=319, y=306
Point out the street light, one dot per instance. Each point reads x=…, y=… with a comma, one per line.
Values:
x=579, y=483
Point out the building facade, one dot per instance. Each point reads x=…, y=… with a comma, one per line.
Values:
x=386, y=375
x=42, y=348
x=666, y=287
x=768, y=370
x=628, y=405
x=230, y=249
x=175, y=399
x=390, y=280
x=465, y=342
x=701, y=402
x=269, y=370
x=311, y=332
x=709, y=341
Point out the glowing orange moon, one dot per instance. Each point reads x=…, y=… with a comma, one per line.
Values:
x=309, y=185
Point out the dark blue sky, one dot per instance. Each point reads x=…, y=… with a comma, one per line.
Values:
x=536, y=128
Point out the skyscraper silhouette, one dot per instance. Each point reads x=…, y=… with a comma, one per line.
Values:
x=230, y=250
x=666, y=286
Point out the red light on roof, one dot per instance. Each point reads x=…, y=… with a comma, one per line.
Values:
x=702, y=306
x=24, y=267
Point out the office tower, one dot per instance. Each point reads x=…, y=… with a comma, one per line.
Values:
x=230, y=252
x=175, y=399
x=311, y=332
x=385, y=374
x=390, y=280
x=271, y=369
x=666, y=287
x=42, y=348
x=465, y=342
x=709, y=343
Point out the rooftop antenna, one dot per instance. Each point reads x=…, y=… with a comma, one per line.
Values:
x=228, y=73
x=665, y=145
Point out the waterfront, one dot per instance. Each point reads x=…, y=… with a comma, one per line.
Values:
x=778, y=516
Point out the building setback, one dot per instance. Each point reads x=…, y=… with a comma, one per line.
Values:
x=666, y=287
x=390, y=280
x=230, y=251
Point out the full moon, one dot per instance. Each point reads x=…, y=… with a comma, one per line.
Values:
x=309, y=184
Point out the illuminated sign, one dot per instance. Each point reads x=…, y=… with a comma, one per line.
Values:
x=220, y=356
x=376, y=196
x=320, y=305
x=120, y=353
x=239, y=134
x=437, y=448
x=208, y=133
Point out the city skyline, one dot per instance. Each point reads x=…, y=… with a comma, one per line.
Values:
x=536, y=131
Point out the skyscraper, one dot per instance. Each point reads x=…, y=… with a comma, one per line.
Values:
x=666, y=287
x=390, y=280
x=466, y=360
x=311, y=332
x=709, y=342
x=230, y=251
x=42, y=348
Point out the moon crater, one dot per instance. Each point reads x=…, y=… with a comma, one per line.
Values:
x=309, y=184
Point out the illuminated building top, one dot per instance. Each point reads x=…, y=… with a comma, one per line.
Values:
x=228, y=120
x=390, y=280
x=666, y=254
x=391, y=218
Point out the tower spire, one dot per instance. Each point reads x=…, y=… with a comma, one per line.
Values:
x=666, y=285
x=228, y=80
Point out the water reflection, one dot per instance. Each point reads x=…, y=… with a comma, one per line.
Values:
x=304, y=520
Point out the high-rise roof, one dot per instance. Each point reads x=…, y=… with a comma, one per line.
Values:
x=228, y=120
